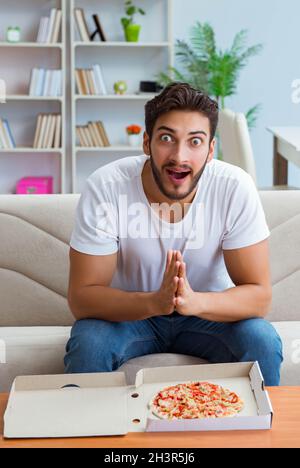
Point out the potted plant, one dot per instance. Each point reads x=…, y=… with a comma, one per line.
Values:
x=131, y=29
x=210, y=69
x=133, y=135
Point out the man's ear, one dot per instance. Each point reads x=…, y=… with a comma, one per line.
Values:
x=211, y=150
x=146, y=144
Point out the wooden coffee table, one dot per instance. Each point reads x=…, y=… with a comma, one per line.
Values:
x=284, y=433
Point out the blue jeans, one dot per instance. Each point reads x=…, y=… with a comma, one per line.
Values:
x=103, y=346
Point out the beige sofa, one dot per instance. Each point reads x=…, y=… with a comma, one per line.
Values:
x=35, y=319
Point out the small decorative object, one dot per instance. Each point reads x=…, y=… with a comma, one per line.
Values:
x=131, y=29
x=133, y=134
x=150, y=87
x=99, y=30
x=120, y=87
x=13, y=34
x=35, y=186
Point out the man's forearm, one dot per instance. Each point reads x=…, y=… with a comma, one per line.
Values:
x=114, y=305
x=234, y=304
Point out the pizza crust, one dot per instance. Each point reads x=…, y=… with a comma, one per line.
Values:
x=195, y=400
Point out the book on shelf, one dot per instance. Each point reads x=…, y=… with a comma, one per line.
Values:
x=82, y=26
x=49, y=27
x=90, y=81
x=92, y=135
x=99, y=79
x=57, y=135
x=48, y=131
x=6, y=137
x=103, y=133
x=99, y=29
x=45, y=82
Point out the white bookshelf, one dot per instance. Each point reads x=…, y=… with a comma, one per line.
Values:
x=20, y=109
x=30, y=45
x=122, y=44
x=25, y=97
x=115, y=97
x=31, y=150
x=108, y=149
x=119, y=60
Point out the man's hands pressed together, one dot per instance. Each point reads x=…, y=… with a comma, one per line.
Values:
x=186, y=300
x=165, y=297
x=175, y=291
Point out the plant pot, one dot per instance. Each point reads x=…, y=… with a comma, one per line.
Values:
x=132, y=32
x=134, y=140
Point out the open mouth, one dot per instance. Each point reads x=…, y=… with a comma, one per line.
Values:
x=178, y=175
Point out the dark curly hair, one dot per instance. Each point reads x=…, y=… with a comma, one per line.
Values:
x=181, y=96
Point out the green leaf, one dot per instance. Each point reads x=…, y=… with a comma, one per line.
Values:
x=125, y=22
x=185, y=52
x=163, y=79
x=174, y=75
x=131, y=10
x=252, y=116
x=251, y=52
x=239, y=42
x=203, y=40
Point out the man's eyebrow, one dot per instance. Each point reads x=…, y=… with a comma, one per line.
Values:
x=171, y=130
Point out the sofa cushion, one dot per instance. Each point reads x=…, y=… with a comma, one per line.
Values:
x=289, y=333
x=34, y=247
x=282, y=209
x=32, y=351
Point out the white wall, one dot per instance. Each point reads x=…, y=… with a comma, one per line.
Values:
x=268, y=78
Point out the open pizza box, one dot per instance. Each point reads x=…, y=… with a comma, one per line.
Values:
x=82, y=405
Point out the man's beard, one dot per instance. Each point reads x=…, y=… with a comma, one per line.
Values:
x=172, y=195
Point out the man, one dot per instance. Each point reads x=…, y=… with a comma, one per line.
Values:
x=170, y=251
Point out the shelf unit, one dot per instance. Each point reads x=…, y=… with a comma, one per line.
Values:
x=20, y=97
x=121, y=44
x=30, y=45
x=119, y=60
x=21, y=109
x=117, y=97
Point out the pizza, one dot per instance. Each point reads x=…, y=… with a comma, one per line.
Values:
x=195, y=400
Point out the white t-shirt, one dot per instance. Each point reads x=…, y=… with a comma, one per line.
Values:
x=114, y=215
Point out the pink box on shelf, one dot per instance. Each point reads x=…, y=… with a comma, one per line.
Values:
x=35, y=186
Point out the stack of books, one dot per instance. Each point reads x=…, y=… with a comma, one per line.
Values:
x=48, y=131
x=45, y=82
x=90, y=81
x=49, y=28
x=92, y=135
x=6, y=139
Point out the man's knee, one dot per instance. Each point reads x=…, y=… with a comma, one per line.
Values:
x=92, y=347
x=259, y=337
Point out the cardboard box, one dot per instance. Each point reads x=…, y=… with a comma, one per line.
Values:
x=102, y=404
